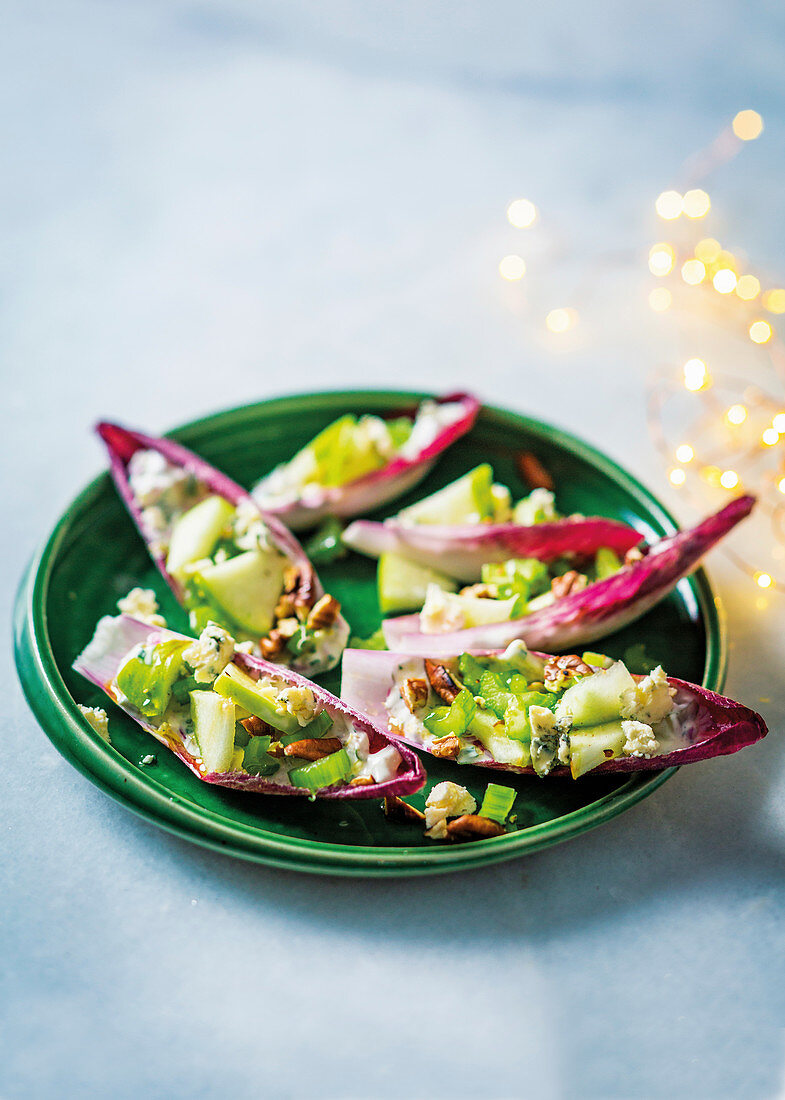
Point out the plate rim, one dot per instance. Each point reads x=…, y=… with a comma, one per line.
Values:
x=55, y=708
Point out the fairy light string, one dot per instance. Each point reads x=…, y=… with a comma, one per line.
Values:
x=716, y=434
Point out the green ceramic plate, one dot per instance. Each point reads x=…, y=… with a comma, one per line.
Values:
x=94, y=556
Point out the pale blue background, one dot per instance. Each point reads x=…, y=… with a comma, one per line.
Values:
x=205, y=203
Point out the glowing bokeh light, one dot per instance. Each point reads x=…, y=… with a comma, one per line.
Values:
x=763, y=580
x=708, y=250
x=559, y=320
x=693, y=272
x=696, y=203
x=685, y=453
x=779, y=423
x=512, y=267
x=729, y=479
x=747, y=125
x=748, y=287
x=736, y=414
x=760, y=332
x=660, y=299
x=521, y=213
x=725, y=281
x=781, y=484
x=695, y=374
x=770, y=437
x=669, y=205
x=661, y=259
x=774, y=300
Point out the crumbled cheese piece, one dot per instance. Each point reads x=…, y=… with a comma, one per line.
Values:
x=151, y=477
x=141, y=604
x=640, y=739
x=372, y=431
x=446, y=800
x=98, y=719
x=299, y=702
x=538, y=507
x=250, y=530
x=442, y=612
x=430, y=422
x=650, y=700
x=210, y=655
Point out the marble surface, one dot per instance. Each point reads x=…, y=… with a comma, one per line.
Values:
x=204, y=204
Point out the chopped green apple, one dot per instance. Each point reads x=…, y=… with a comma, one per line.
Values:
x=258, y=699
x=448, y=610
x=197, y=531
x=403, y=584
x=593, y=745
x=247, y=587
x=470, y=499
x=596, y=699
x=214, y=721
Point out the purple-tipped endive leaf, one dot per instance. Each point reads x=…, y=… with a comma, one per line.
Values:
x=122, y=443
x=711, y=725
x=300, y=510
x=116, y=637
x=460, y=551
x=594, y=612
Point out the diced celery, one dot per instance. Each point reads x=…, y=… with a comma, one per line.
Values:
x=241, y=734
x=148, y=685
x=317, y=728
x=516, y=716
x=493, y=692
x=400, y=429
x=597, y=660
x=454, y=719
x=322, y=773
x=497, y=802
x=256, y=760
x=471, y=670
x=325, y=544
x=606, y=563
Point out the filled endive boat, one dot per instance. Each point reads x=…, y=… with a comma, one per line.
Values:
x=578, y=605
x=357, y=464
x=225, y=560
x=531, y=713
x=239, y=721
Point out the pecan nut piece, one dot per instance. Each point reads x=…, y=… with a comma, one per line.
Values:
x=257, y=727
x=313, y=748
x=272, y=645
x=568, y=583
x=441, y=681
x=481, y=591
x=395, y=809
x=362, y=781
x=323, y=613
x=474, y=827
x=285, y=607
x=446, y=748
x=533, y=472
x=414, y=693
x=561, y=668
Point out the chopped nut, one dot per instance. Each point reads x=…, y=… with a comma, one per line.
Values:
x=635, y=554
x=568, y=583
x=474, y=827
x=272, y=645
x=395, y=809
x=558, y=669
x=256, y=726
x=324, y=613
x=362, y=781
x=447, y=748
x=481, y=591
x=313, y=748
x=441, y=681
x=533, y=472
x=285, y=607
x=414, y=693
x=291, y=578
